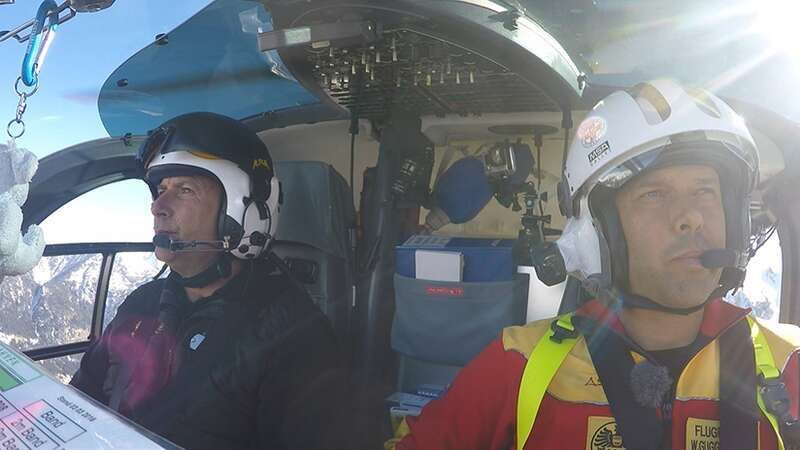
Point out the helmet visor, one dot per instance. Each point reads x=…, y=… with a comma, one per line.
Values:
x=157, y=140
x=719, y=155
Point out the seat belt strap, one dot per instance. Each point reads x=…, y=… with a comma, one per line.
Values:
x=543, y=362
x=767, y=371
x=640, y=426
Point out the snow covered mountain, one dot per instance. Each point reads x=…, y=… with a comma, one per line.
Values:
x=53, y=303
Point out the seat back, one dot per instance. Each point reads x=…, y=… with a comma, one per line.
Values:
x=313, y=236
x=325, y=277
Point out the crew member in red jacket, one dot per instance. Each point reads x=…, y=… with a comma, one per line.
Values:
x=656, y=191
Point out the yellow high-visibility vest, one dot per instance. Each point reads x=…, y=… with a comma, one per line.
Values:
x=551, y=350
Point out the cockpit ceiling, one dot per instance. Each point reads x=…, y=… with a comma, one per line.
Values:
x=415, y=72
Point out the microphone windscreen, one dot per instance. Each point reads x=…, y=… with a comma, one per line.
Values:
x=718, y=258
x=163, y=241
x=463, y=190
x=650, y=383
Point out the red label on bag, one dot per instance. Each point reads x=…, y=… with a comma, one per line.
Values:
x=445, y=291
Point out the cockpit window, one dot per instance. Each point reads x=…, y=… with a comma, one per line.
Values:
x=50, y=305
x=762, y=285
x=118, y=212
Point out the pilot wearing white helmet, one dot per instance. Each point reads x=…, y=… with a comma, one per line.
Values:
x=223, y=352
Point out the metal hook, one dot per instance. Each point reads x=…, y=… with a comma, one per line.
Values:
x=16, y=32
x=40, y=41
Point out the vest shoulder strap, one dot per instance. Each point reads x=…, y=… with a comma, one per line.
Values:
x=767, y=373
x=543, y=362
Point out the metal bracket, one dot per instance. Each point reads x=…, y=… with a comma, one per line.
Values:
x=508, y=18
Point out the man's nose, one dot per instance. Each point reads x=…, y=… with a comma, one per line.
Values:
x=161, y=206
x=687, y=215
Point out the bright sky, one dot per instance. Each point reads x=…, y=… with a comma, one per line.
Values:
x=64, y=110
x=85, y=51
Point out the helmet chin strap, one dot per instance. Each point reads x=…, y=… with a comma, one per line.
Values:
x=628, y=300
x=219, y=269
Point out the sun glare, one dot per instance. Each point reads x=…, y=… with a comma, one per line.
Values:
x=777, y=20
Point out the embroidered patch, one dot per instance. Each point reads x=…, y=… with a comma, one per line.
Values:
x=602, y=434
x=702, y=434
x=196, y=340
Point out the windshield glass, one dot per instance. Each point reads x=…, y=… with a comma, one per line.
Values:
x=84, y=52
x=234, y=76
x=742, y=49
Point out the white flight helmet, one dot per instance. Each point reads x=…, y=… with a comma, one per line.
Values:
x=653, y=124
x=226, y=150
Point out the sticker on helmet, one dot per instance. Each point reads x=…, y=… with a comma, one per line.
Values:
x=204, y=155
x=261, y=163
x=598, y=153
x=592, y=131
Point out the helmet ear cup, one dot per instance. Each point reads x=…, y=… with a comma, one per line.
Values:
x=259, y=223
x=613, y=246
x=254, y=240
x=564, y=199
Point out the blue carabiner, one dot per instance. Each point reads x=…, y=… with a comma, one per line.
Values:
x=37, y=46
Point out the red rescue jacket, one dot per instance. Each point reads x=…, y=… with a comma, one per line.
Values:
x=479, y=411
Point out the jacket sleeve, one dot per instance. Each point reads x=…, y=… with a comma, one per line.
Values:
x=478, y=412
x=92, y=372
x=311, y=387
x=305, y=393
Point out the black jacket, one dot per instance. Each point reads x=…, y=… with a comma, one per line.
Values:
x=253, y=366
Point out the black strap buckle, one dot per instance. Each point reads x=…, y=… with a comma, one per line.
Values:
x=563, y=329
x=776, y=398
x=776, y=401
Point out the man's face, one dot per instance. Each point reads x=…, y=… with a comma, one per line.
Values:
x=186, y=208
x=669, y=217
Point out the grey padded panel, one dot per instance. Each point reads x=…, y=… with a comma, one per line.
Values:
x=325, y=278
x=313, y=235
x=317, y=206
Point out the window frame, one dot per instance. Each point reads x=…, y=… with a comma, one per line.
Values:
x=108, y=252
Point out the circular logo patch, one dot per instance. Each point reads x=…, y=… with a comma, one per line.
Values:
x=606, y=437
x=592, y=131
